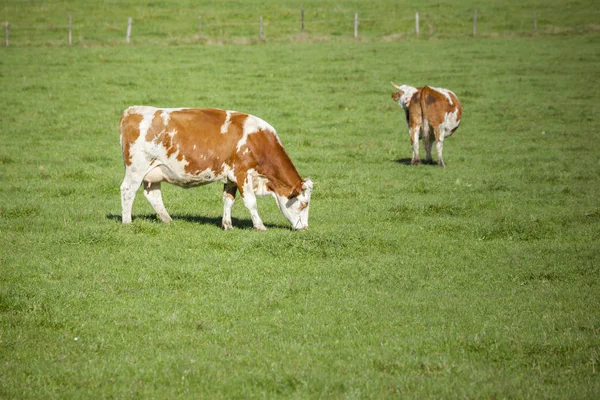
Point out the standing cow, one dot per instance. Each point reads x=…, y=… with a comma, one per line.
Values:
x=431, y=114
x=191, y=147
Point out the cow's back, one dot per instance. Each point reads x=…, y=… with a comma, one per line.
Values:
x=440, y=107
x=199, y=138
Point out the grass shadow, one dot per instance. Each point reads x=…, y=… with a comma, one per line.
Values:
x=245, y=223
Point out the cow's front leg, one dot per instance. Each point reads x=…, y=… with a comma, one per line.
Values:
x=229, y=191
x=247, y=192
x=129, y=187
x=414, y=140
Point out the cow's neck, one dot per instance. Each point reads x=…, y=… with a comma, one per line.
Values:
x=283, y=177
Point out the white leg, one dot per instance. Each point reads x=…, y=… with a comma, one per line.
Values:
x=414, y=139
x=153, y=195
x=250, y=203
x=228, y=200
x=439, y=146
x=129, y=187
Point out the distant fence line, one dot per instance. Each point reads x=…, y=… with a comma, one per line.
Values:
x=260, y=25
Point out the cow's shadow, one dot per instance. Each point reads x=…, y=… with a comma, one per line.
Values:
x=197, y=219
x=406, y=161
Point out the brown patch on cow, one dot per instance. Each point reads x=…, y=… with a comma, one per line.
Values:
x=156, y=127
x=275, y=164
x=396, y=96
x=430, y=99
x=130, y=131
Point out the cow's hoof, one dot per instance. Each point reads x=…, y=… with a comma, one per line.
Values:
x=415, y=162
x=260, y=228
x=227, y=227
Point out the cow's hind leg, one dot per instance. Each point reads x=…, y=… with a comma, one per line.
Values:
x=427, y=143
x=129, y=187
x=154, y=196
x=229, y=191
x=414, y=140
x=439, y=146
x=247, y=192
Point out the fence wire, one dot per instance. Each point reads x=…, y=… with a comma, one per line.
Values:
x=369, y=27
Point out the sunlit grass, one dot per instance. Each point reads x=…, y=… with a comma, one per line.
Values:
x=479, y=280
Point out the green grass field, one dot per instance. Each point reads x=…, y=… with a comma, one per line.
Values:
x=480, y=280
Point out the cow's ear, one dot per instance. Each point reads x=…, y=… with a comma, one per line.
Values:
x=307, y=184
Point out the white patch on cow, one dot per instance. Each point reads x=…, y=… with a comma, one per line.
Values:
x=450, y=123
x=143, y=110
x=225, y=126
x=446, y=93
x=166, y=117
x=227, y=173
x=146, y=122
x=194, y=147
x=259, y=183
x=252, y=125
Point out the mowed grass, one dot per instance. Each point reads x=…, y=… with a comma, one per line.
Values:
x=475, y=281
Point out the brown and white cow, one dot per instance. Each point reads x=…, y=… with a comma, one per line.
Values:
x=431, y=114
x=191, y=147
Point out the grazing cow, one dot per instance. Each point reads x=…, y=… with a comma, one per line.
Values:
x=191, y=147
x=431, y=113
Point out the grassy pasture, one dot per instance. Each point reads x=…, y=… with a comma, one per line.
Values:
x=35, y=22
x=477, y=281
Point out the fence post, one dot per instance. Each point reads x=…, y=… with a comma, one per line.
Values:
x=200, y=26
x=417, y=23
x=70, y=30
x=355, y=25
x=261, y=35
x=6, y=33
x=302, y=17
x=475, y=23
x=534, y=21
x=128, y=37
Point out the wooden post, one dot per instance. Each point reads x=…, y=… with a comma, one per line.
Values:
x=417, y=23
x=534, y=21
x=356, y=26
x=128, y=37
x=200, y=26
x=261, y=34
x=70, y=30
x=475, y=23
x=6, y=33
x=302, y=17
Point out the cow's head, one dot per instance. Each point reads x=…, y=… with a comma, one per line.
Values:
x=295, y=206
x=403, y=95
